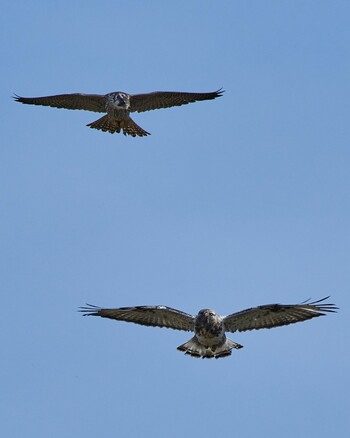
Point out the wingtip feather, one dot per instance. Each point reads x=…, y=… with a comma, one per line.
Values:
x=89, y=309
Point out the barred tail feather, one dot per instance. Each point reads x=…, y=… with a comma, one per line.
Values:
x=128, y=126
x=196, y=349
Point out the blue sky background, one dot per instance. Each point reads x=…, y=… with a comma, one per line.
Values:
x=228, y=204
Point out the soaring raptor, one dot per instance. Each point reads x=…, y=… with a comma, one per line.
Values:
x=209, y=328
x=118, y=106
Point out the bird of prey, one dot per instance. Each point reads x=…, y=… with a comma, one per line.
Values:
x=209, y=340
x=118, y=106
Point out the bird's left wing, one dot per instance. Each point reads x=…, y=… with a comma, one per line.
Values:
x=75, y=101
x=274, y=315
x=166, y=99
x=156, y=316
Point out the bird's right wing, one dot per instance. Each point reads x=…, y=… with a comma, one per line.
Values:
x=156, y=316
x=275, y=315
x=76, y=101
x=167, y=99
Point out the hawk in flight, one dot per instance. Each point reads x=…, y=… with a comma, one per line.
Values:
x=209, y=328
x=118, y=106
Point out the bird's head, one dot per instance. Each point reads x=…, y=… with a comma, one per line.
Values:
x=207, y=315
x=119, y=99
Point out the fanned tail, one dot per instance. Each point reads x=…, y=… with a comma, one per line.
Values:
x=196, y=349
x=128, y=126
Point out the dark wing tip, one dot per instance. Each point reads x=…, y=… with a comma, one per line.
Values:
x=219, y=92
x=89, y=309
x=17, y=98
x=326, y=307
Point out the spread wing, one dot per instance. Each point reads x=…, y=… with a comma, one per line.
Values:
x=77, y=101
x=156, y=316
x=275, y=315
x=166, y=99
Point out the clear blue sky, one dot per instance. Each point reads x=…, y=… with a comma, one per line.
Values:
x=229, y=204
